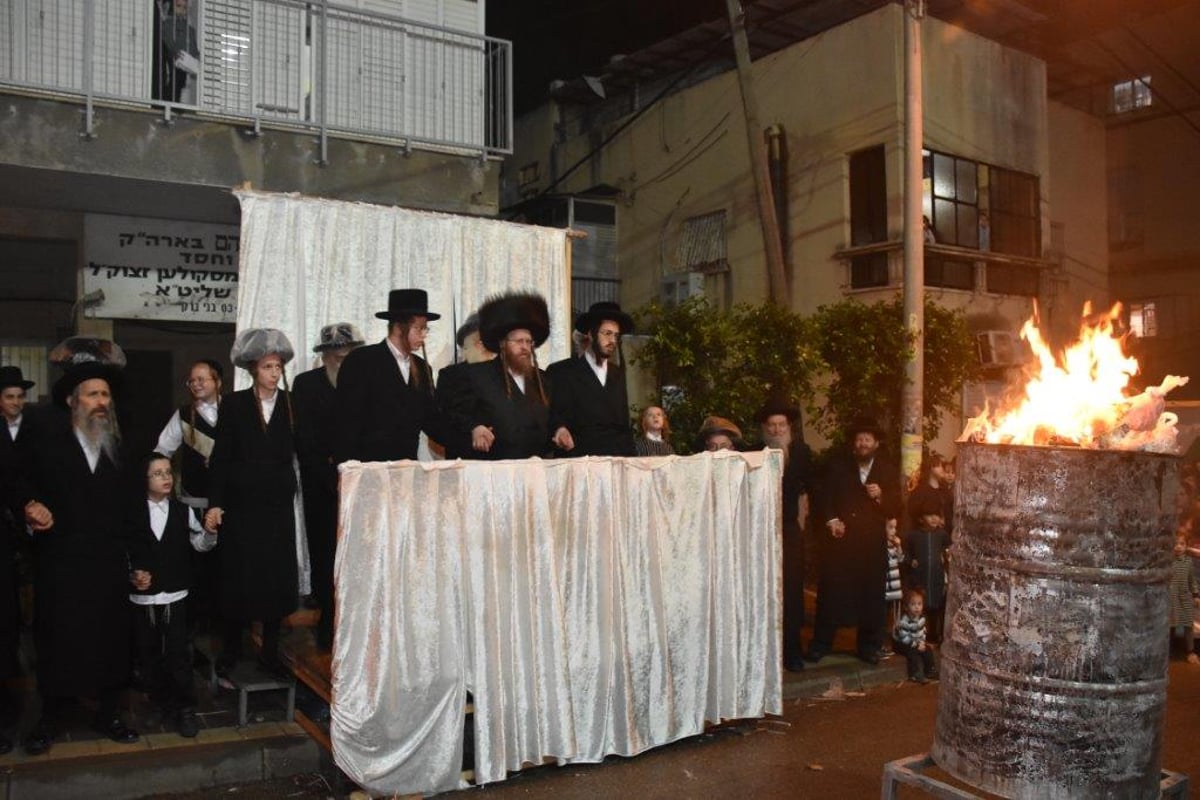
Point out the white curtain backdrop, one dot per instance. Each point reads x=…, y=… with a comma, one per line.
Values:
x=307, y=262
x=591, y=606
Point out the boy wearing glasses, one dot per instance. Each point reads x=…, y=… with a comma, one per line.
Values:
x=161, y=533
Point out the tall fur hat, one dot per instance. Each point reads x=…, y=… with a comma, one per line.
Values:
x=84, y=358
x=255, y=343
x=510, y=311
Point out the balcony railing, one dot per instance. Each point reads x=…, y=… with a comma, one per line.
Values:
x=316, y=66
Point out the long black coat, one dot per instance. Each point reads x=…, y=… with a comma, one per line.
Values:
x=454, y=399
x=596, y=415
x=379, y=416
x=81, y=579
x=251, y=477
x=12, y=531
x=853, y=568
x=521, y=422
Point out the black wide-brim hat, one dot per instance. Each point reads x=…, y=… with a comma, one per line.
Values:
x=605, y=309
x=78, y=373
x=11, y=376
x=511, y=311
x=777, y=405
x=864, y=424
x=407, y=303
x=467, y=328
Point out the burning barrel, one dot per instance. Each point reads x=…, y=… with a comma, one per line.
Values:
x=1054, y=658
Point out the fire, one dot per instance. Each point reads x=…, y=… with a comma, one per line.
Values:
x=1082, y=396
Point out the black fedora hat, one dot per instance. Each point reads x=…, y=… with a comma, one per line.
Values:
x=864, y=424
x=406, y=303
x=777, y=404
x=467, y=328
x=511, y=311
x=85, y=371
x=600, y=311
x=11, y=376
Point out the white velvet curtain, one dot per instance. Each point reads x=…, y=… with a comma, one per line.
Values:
x=591, y=606
x=307, y=262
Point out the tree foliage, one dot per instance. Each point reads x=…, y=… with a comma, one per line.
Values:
x=849, y=356
x=724, y=363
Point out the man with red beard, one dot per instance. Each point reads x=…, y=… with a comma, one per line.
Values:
x=505, y=402
x=589, y=390
x=73, y=493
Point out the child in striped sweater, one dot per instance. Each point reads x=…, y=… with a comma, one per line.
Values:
x=909, y=638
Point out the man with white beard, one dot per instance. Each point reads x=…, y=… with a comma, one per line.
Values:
x=777, y=421
x=72, y=493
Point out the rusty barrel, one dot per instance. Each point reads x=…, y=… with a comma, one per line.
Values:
x=1054, y=657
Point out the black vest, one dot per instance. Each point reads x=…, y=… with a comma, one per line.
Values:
x=193, y=467
x=169, y=560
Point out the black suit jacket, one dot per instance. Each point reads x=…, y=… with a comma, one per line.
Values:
x=522, y=423
x=315, y=399
x=453, y=398
x=596, y=415
x=379, y=416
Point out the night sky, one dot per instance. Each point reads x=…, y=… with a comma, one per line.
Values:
x=567, y=38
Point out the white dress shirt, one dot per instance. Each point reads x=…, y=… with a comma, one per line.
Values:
x=14, y=427
x=172, y=435
x=158, y=524
x=91, y=451
x=601, y=370
x=268, y=405
x=402, y=359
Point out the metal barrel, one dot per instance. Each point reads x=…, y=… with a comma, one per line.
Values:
x=1054, y=658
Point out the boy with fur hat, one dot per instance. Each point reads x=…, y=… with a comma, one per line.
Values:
x=315, y=393
x=505, y=403
x=252, y=493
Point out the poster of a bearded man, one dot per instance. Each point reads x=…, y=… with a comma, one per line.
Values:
x=73, y=493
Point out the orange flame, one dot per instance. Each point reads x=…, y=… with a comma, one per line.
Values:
x=1083, y=398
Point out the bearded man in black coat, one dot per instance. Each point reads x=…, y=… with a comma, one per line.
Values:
x=505, y=403
x=315, y=396
x=73, y=492
x=590, y=395
x=861, y=493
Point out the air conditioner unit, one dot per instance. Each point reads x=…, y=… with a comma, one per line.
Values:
x=681, y=286
x=998, y=348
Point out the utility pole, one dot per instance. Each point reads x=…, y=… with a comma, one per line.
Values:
x=911, y=430
x=772, y=245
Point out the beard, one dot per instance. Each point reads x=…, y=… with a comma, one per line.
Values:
x=519, y=365
x=783, y=441
x=100, y=430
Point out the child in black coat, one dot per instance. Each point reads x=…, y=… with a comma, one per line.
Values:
x=161, y=532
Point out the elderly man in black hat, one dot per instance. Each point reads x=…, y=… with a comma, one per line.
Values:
x=861, y=493
x=778, y=422
x=72, y=492
x=590, y=395
x=385, y=390
x=452, y=382
x=506, y=402
x=315, y=395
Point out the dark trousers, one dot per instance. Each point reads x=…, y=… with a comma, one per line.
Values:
x=920, y=662
x=160, y=633
x=55, y=707
x=320, y=525
x=793, y=593
x=232, y=649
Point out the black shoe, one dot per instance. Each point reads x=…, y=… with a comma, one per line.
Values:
x=116, y=730
x=815, y=654
x=189, y=726
x=869, y=656
x=38, y=740
x=794, y=664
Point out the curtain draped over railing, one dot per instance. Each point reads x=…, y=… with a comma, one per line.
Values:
x=591, y=606
x=307, y=262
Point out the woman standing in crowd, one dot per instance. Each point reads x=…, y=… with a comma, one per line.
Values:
x=252, y=488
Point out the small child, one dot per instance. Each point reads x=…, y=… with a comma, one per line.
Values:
x=895, y=556
x=925, y=548
x=1184, y=590
x=653, y=440
x=909, y=638
x=160, y=534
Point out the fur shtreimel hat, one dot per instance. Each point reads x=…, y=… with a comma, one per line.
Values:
x=84, y=358
x=511, y=311
x=715, y=424
x=253, y=344
x=337, y=336
x=864, y=424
